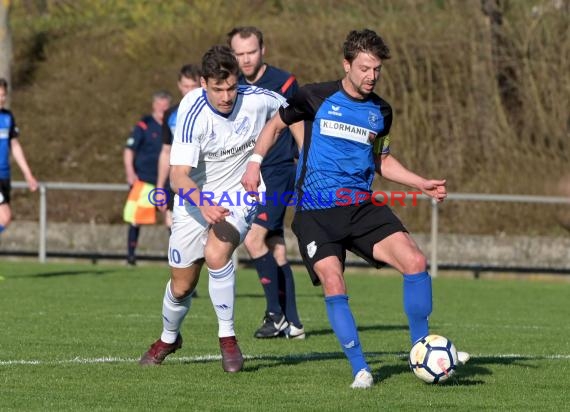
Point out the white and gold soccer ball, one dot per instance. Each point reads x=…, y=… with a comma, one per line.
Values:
x=433, y=359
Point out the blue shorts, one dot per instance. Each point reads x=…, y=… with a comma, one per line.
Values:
x=279, y=186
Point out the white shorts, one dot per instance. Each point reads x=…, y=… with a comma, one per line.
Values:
x=190, y=231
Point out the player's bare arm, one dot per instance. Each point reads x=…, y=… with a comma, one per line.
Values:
x=267, y=138
x=163, y=165
x=390, y=168
x=298, y=132
x=181, y=182
x=129, y=162
x=20, y=159
x=163, y=169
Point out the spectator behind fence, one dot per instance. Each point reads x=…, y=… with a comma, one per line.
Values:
x=140, y=158
x=9, y=143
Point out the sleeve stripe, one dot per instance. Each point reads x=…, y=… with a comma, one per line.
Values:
x=190, y=119
x=258, y=90
x=287, y=84
x=142, y=125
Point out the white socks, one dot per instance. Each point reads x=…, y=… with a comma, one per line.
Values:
x=221, y=285
x=173, y=313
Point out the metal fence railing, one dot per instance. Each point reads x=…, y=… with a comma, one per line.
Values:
x=44, y=187
x=483, y=198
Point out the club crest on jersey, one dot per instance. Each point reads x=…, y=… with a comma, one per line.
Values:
x=241, y=125
x=373, y=119
x=312, y=249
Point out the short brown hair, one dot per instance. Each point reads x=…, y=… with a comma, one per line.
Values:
x=219, y=63
x=190, y=71
x=366, y=41
x=244, y=32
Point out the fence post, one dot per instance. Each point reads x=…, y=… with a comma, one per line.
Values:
x=434, y=230
x=43, y=223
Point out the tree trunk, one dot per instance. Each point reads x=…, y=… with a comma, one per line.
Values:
x=504, y=59
x=5, y=41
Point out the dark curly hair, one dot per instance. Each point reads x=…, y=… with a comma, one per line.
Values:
x=366, y=41
x=219, y=63
x=190, y=71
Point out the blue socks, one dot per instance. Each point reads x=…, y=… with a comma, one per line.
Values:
x=289, y=303
x=132, y=240
x=344, y=327
x=417, y=303
x=268, y=272
x=279, y=287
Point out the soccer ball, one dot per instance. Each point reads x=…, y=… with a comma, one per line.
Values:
x=433, y=359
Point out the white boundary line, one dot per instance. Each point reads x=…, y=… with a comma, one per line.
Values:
x=306, y=356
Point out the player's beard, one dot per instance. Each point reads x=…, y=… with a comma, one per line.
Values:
x=254, y=73
x=366, y=88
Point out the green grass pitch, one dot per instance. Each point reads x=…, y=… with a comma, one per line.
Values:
x=71, y=335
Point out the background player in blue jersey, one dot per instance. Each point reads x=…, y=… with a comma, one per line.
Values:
x=9, y=144
x=188, y=80
x=265, y=241
x=346, y=142
x=140, y=157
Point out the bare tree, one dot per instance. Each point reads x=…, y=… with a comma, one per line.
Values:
x=5, y=40
x=504, y=58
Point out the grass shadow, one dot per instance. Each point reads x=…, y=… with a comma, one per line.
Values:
x=98, y=272
x=464, y=375
x=328, y=331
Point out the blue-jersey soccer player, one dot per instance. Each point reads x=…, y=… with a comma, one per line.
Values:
x=9, y=144
x=265, y=242
x=346, y=142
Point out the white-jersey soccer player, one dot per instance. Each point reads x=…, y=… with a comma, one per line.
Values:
x=218, y=147
x=216, y=130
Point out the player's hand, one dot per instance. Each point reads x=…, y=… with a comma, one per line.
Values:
x=32, y=183
x=213, y=213
x=435, y=189
x=132, y=178
x=250, y=179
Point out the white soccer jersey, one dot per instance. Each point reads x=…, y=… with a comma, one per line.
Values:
x=218, y=146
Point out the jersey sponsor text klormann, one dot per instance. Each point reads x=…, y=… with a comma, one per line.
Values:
x=340, y=197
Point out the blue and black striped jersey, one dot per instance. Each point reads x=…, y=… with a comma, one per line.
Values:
x=340, y=144
x=8, y=131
